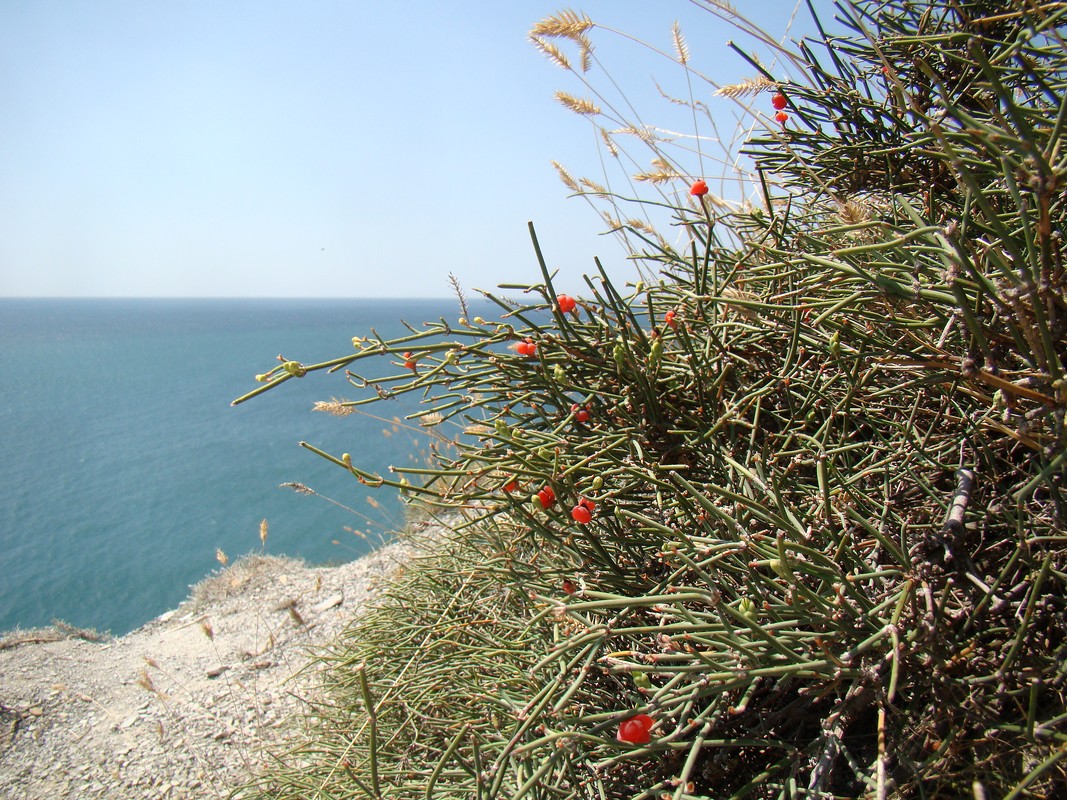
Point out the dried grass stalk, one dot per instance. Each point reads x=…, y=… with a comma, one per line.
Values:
x=579, y=105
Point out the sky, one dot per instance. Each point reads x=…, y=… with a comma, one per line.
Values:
x=334, y=148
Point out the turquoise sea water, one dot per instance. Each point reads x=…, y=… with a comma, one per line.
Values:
x=123, y=466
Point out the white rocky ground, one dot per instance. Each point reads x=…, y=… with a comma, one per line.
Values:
x=183, y=707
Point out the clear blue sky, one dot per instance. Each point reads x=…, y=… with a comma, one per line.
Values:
x=225, y=148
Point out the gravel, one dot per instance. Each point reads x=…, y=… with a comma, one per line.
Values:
x=186, y=706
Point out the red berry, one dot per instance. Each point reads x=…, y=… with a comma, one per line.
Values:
x=669, y=318
x=635, y=730
x=781, y=116
x=566, y=303
x=410, y=364
x=408, y=355
x=569, y=586
x=547, y=497
x=581, y=514
x=511, y=486
x=580, y=414
x=779, y=102
x=585, y=501
x=698, y=189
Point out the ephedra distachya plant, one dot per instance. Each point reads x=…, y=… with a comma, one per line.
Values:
x=785, y=517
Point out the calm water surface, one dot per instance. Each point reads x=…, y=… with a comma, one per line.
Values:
x=124, y=467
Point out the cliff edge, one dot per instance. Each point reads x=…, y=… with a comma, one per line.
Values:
x=185, y=706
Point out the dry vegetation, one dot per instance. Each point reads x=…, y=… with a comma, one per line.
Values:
x=821, y=447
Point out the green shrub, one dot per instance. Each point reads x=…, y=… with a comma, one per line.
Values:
x=821, y=450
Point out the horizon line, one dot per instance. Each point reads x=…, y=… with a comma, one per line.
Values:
x=228, y=297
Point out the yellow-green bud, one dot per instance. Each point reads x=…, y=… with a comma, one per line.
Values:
x=347, y=460
x=479, y=321
x=655, y=353
x=641, y=680
x=747, y=607
x=835, y=344
x=295, y=368
x=781, y=568
x=598, y=482
x=262, y=378
x=558, y=373
x=462, y=320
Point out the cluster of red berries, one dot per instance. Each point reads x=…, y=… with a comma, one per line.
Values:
x=409, y=360
x=546, y=497
x=635, y=729
x=779, y=101
x=566, y=303
x=583, y=512
x=526, y=347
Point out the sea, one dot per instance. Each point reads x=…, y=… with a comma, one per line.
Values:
x=125, y=471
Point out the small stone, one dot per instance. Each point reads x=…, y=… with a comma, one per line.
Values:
x=36, y=711
x=328, y=603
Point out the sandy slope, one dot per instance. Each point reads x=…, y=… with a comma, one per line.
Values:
x=169, y=711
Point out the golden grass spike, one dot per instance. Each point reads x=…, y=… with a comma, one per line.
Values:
x=641, y=133
x=565, y=176
x=746, y=88
x=594, y=186
x=554, y=54
x=608, y=143
x=658, y=177
x=221, y=557
x=334, y=406
x=854, y=211
x=585, y=53
x=566, y=24
x=579, y=105
x=680, y=47
x=641, y=225
x=263, y=528
x=457, y=288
